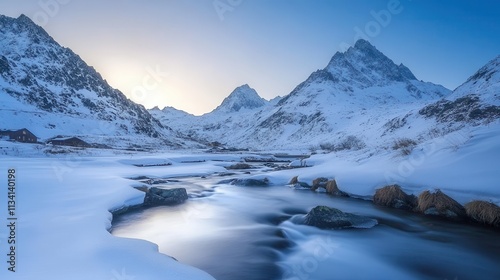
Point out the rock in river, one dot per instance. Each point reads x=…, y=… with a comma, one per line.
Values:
x=156, y=196
x=330, y=218
x=251, y=182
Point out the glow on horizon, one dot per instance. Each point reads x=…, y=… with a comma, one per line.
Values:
x=190, y=54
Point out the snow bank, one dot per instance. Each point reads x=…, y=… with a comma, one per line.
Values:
x=63, y=216
x=465, y=169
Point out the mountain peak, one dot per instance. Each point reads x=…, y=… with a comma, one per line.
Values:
x=24, y=24
x=24, y=18
x=243, y=97
x=364, y=66
x=243, y=87
x=363, y=44
x=38, y=73
x=23, y=21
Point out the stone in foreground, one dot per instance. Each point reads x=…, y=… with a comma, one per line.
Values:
x=330, y=218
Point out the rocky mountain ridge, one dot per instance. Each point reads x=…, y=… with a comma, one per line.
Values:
x=361, y=97
x=54, y=92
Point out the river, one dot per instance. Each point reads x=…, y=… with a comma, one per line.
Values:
x=245, y=233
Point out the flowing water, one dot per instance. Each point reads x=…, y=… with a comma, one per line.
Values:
x=244, y=233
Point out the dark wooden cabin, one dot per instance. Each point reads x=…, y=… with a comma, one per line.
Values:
x=72, y=141
x=22, y=135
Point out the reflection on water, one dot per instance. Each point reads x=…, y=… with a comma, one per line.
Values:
x=244, y=233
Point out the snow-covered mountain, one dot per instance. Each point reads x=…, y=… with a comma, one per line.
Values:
x=229, y=120
x=360, y=99
x=356, y=95
x=485, y=83
x=243, y=97
x=476, y=102
x=51, y=91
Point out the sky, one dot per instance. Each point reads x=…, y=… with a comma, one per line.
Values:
x=191, y=54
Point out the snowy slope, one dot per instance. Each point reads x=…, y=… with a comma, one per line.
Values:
x=357, y=94
x=473, y=104
x=51, y=91
x=485, y=83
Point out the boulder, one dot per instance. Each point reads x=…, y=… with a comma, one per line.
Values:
x=319, y=183
x=251, y=182
x=296, y=184
x=393, y=196
x=239, y=166
x=333, y=189
x=439, y=204
x=301, y=186
x=483, y=212
x=294, y=180
x=330, y=218
x=156, y=196
x=225, y=174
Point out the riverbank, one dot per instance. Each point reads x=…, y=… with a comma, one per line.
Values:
x=68, y=198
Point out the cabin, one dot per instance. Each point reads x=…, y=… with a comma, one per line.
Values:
x=71, y=141
x=21, y=135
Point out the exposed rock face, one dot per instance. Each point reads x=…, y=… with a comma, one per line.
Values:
x=393, y=196
x=330, y=218
x=333, y=189
x=464, y=109
x=439, y=204
x=483, y=212
x=156, y=196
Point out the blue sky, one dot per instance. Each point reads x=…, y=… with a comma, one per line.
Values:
x=190, y=54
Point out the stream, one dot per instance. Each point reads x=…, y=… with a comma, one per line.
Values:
x=242, y=233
